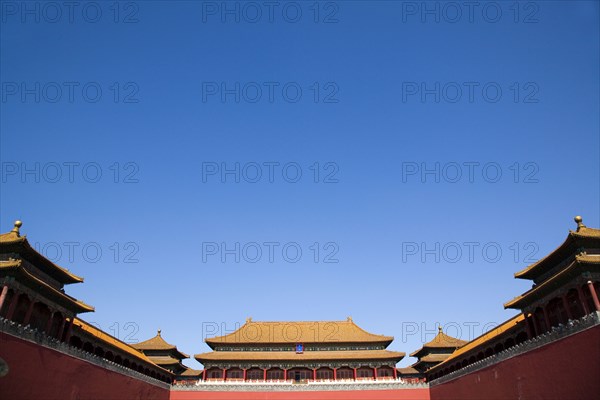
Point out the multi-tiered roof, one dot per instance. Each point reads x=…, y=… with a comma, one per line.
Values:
x=577, y=256
x=436, y=351
x=32, y=294
x=322, y=342
x=165, y=355
x=564, y=294
x=21, y=264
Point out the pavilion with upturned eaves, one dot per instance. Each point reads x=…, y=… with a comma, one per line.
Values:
x=299, y=351
x=167, y=356
x=436, y=351
x=566, y=282
x=33, y=299
x=564, y=295
x=33, y=288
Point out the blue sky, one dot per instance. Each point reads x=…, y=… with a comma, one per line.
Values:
x=369, y=159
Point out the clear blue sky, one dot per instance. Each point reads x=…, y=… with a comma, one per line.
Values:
x=386, y=93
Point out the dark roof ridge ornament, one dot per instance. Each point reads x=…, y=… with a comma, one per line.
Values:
x=158, y=332
x=579, y=222
x=440, y=329
x=18, y=224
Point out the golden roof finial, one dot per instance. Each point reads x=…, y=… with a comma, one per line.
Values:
x=579, y=222
x=440, y=329
x=248, y=320
x=349, y=319
x=159, y=332
x=18, y=224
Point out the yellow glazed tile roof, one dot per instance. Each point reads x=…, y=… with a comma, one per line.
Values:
x=429, y=358
x=163, y=360
x=441, y=340
x=112, y=341
x=158, y=343
x=191, y=372
x=407, y=370
x=483, y=339
x=583, y=232
x=592, y=259
x=299, y=332
x=17, y=266
x=14, y=238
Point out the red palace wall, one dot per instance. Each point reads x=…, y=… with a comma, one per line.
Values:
x=402, y=394
x=37, y=372
x=566, y=369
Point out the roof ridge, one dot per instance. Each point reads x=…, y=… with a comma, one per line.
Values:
x=14, y=237
x=373, y=334
x=582, y=232
x=293, y=322
x=304, y=332
x=157, y=338
x=158, y=343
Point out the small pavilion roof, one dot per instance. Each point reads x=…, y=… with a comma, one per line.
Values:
x=433, y=358
x=483, y=339
x=428, y=361
x=164, y=360
x=407, y=371
x=191, y=372
x=113, y=342
x=581, y=238
x=299, y=332
x=13, y=242
x=293, y=356
x=440, y=341
x=158, y=343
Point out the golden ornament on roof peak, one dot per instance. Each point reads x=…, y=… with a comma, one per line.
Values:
x=579, y=222
x=18, y=224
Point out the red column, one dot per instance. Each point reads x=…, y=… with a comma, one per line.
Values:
x=335, y=374
x=3, y=295
x=285, y=374
x=566, y=306
x=49, y=323
x=374, y=373
x=29, y=312
x=245, y=374
x=224, y=374
x=536, y=324
x=528, y=327
x=354, y=373
x=69, y=330
x=61, y=329
x=265, y=374
x=205, y=375
x=546, y=319
x=586, y=310
x=594, y=295
x=12, y=306
x=314, y=374
x=395, y=373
